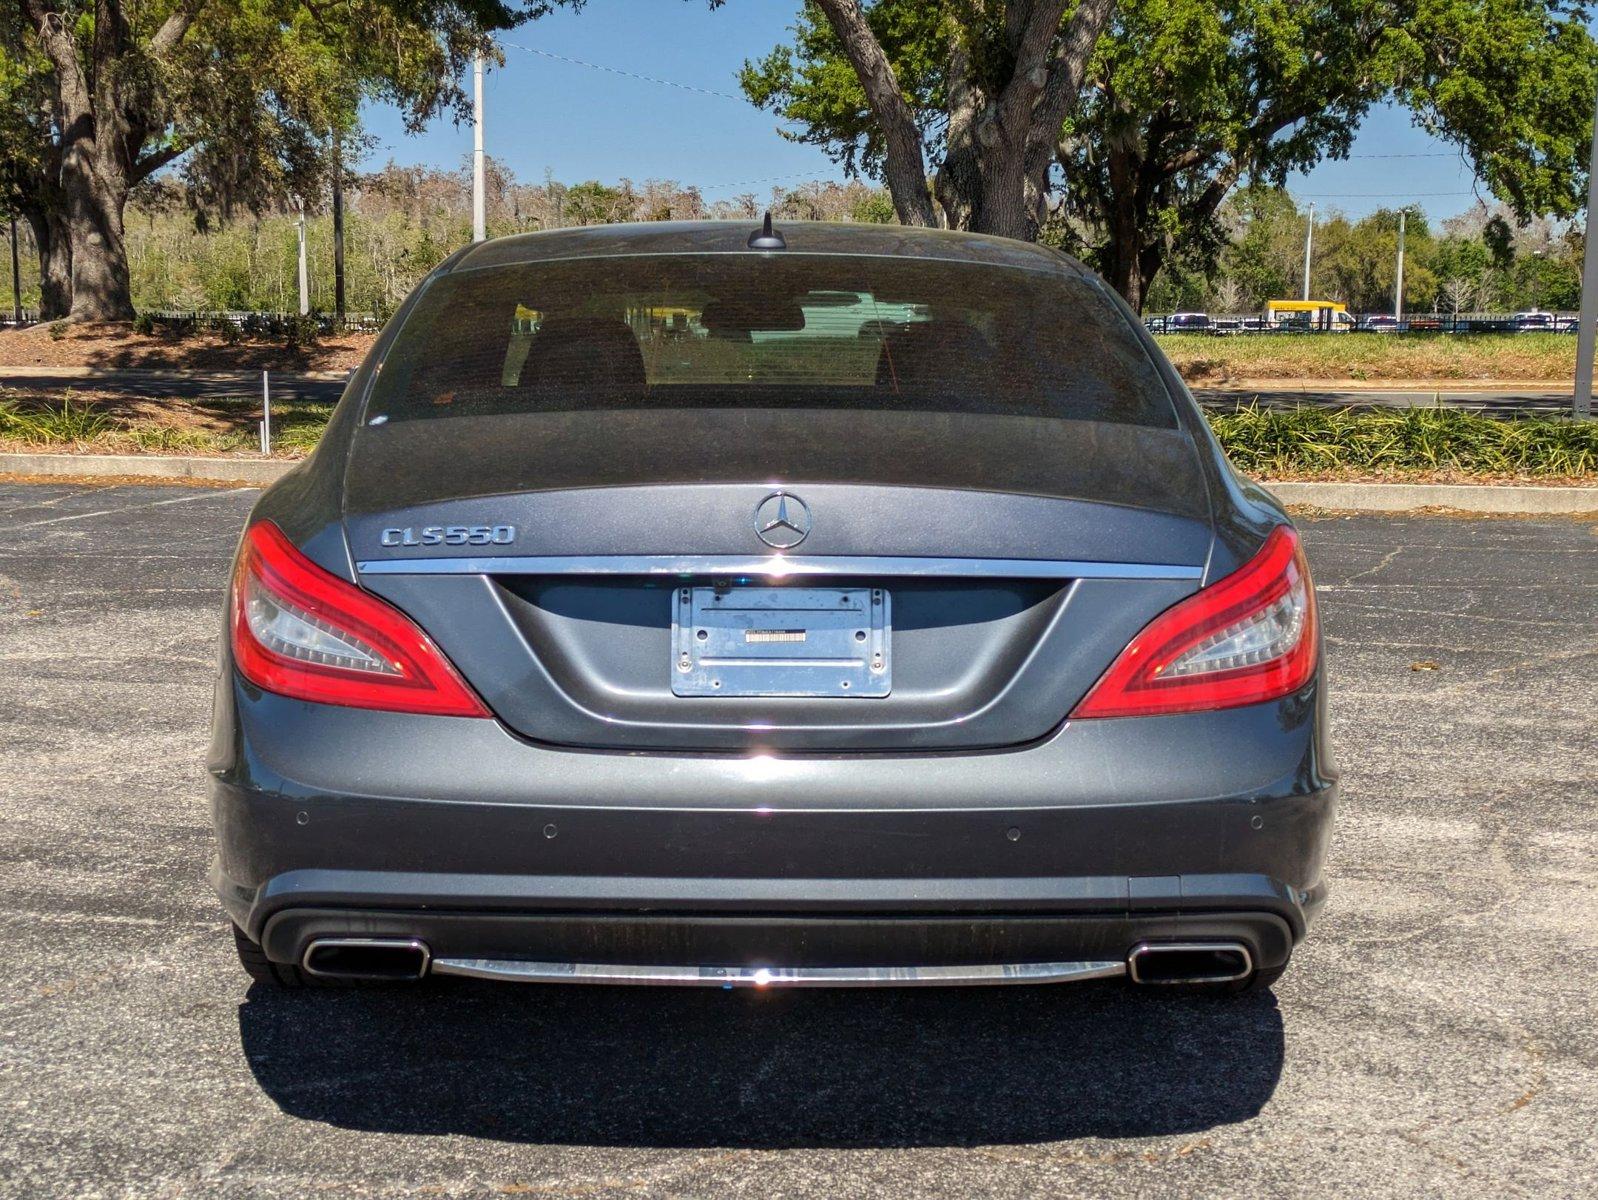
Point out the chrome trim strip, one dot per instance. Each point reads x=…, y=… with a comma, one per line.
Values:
x=763, y=977
x=777, y=566
x=1144, y=949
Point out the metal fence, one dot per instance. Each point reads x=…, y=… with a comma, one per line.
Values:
x=1216, y=325
x=255, y=323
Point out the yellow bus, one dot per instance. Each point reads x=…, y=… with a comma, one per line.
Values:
x=1330, y=315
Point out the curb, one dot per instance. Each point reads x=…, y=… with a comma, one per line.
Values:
x=1347, y=497
x=257, y=471
x=1462, y=497
x=198, y=374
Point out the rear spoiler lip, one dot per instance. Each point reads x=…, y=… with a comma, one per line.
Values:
x=781, y=566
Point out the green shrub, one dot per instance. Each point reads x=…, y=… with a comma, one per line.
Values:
x=1284, y=442
x=300, y=329
x=71, y=422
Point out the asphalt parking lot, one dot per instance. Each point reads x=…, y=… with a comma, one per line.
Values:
x=1438, y=1034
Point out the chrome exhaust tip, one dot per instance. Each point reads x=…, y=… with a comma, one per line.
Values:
x=367, y=958
x=1189, y=962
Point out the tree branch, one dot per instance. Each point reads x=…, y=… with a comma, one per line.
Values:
x=152, y=162
x=1033, y=34
x=904, y=165
x=175, y=26
x=1069, y=68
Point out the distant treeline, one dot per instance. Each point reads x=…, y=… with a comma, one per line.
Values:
x=402, y=221
x=1478, y=261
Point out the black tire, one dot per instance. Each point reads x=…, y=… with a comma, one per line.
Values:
x=275, y=974
x=1263, y=979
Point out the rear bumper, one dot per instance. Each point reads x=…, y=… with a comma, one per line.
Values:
x=334, y=822
x=736, y=941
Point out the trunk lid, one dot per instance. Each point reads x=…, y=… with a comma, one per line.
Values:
x=548, y=554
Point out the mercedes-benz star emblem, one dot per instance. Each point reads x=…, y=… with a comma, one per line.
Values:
x=782, y=521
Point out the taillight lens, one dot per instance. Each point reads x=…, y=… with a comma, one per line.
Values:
x=1245, y=639
x=300, y=631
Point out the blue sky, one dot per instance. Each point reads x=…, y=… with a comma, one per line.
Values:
x=582, y=123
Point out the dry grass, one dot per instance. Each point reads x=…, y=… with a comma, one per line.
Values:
x=1480, y=357
x=96, y=422
x=118, y=347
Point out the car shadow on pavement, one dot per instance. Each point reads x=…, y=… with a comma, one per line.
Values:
x=672, y=1068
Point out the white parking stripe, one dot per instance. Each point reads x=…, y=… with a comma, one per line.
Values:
x=106, y=512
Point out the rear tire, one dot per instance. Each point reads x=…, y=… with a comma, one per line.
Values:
x=279, y=975
x=1263, y=979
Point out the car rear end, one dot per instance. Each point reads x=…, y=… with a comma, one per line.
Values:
x=875, y=609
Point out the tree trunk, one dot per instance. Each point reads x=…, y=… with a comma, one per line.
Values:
x=55, y=262
x=97, y=193
x=1120, y=260
x=338, y=229
x=904, y=166
x=102, y=126
x=1005, y=211
x=958, y=183
x=1121, y=271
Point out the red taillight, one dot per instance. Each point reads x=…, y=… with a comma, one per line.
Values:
x=302, y=632
x=1245, y=639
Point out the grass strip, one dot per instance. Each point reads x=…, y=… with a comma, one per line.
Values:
x=77, y=423
x=1277, y=443
x=1269, y=443
x=1371, y=356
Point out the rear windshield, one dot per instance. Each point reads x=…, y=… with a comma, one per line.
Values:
x=762, y=331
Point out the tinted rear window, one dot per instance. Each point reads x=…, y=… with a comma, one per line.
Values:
x=768, y=331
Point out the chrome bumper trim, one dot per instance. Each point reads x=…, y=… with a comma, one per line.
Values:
x=779, y=566
x=764, y=977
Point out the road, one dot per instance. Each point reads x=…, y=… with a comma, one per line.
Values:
x=187, y=385
x=1437, y=1035
x=291, y=386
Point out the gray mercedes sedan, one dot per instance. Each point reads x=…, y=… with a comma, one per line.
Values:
x=811, y=606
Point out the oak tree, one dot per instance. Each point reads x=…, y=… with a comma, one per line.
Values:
x=243, y=95
x=1183, y=100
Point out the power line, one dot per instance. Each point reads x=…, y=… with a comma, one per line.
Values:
x=716, y=187
x=702, y=91
x=577, y=62
x=1374, y=195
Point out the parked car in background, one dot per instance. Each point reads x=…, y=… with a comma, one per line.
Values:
x=1379, y=323
x=794, y=651
x=1190, y=322
x=1534, y=321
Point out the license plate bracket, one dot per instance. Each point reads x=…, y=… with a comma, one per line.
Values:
x=781, y=641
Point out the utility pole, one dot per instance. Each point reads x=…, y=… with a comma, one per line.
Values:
x=1398, y=287
x=305, y=277
x=479, y=202
x=1585, y=330
x=16, y=276
x=338, y=231
x=1309, y=246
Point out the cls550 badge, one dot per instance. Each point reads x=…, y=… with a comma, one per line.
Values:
x=450, y=535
